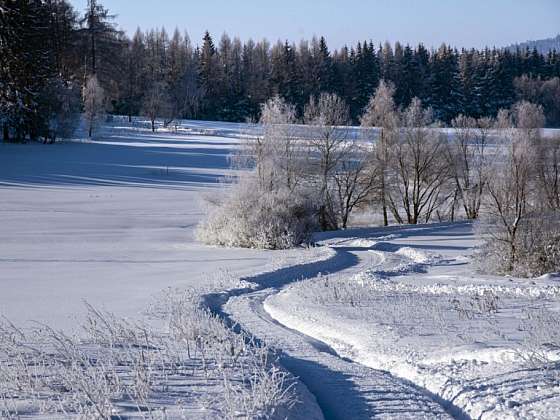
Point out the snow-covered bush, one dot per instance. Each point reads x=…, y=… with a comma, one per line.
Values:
x=539, y=249
x=536, y=244
x=251, y=217
x=270, y=206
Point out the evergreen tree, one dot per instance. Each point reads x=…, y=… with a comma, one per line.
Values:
x=445, y=85
x=284, y=75
x=209, y=76
x=27, y=66
x=101, y=44
x=324, y=70
x=409, y=79
x=366, y=75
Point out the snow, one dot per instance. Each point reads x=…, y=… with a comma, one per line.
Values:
x=419, y=311
x=375, y=322
x=111, y=222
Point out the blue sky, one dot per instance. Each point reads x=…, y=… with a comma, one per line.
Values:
x=462, y=23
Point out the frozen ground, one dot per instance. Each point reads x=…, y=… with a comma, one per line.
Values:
x=384, y=323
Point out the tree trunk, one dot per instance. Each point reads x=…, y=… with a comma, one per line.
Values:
x=384, y=199
x=5, y=133
x=383, y=193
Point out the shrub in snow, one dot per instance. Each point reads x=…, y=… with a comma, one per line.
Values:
x=251, y=217
x=117, y=368
x=536, y=244
x=540, y=348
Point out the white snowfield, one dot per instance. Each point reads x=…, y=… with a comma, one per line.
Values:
x=376, y=323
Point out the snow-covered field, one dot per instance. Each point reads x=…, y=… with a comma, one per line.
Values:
x=389, y=323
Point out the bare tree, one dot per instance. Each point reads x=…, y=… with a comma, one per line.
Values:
x=157, y=103
x=94, y=103
x=468, y=156
x=521, y=227
x=327, y=118
x=509, y=194
x=355, y=179
x=419, y=170
x=381, y=113
x=529, y=119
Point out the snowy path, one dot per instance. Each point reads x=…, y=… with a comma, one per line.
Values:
x=343, y=389
x=399, y=309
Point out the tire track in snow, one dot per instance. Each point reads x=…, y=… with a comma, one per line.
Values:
x=343, y=389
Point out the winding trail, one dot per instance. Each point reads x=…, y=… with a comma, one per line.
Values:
x=343, y=389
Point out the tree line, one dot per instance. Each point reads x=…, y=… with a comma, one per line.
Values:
x=52, y=57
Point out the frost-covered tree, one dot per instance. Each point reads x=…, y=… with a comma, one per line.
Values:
x=268, y=207
x=520, y=229
x=279, y=159
x=549, y=172
x=94, y=104
x=418, y=172
x=509, y=199
x=327, y=117
x=355, y=179
x=469, y=158
x=381, y=113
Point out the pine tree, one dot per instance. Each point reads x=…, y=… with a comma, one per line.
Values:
x=324, y=70
x=446, y=98
x=285, y=76
x=409, y=80
x=209, y=76
x=101, y=43
x=134, y=81
x=27, y=65
x=501, y=77
x=422, y=57
x=366, y=75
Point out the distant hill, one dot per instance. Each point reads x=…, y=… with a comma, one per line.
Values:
x=543, y=45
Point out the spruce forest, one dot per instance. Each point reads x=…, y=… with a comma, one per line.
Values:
x=49, y=52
